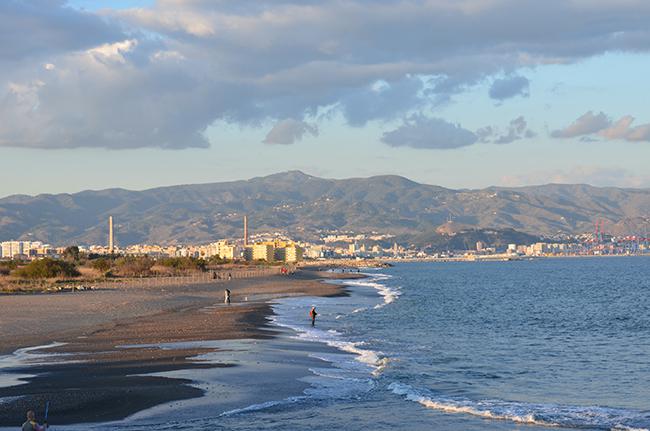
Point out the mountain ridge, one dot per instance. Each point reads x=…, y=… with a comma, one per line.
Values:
x=304, y=206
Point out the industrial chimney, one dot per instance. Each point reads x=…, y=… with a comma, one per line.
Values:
x=110, y=235
x=245, y=231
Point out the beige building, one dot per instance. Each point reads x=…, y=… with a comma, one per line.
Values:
x=261, y=251
x=290, y=253
x=11, y=249
x=222, y=249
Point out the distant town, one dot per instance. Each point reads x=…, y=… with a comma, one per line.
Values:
x=277, y=248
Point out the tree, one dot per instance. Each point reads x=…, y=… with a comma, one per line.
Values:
x=47, y=268
x=71, y=253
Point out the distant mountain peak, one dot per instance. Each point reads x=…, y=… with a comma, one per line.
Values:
x=293, y=175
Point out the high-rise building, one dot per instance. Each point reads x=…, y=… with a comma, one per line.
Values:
x=10, y=249
x=262, y=251
x=222, y=249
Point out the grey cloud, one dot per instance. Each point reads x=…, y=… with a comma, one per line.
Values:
x=507, y=88
x=289, y=131
x=590, y=126
x=32, y=28
x=382, y=100
x=517, y=130
x=430, y=133
x=586, y=124
x=196, y=62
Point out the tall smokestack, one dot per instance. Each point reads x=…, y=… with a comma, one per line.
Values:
x=245, y=231
x=110, y=235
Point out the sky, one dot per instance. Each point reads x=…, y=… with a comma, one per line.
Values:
x=459, y=93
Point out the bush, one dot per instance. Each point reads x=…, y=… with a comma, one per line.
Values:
x=101, y=264
x=6, y=266
x=183, y=263
x=131, y=266
x=47, y=268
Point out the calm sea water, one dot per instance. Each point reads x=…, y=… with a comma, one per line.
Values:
x=471, y=346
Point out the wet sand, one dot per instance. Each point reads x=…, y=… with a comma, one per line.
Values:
x=114, y=336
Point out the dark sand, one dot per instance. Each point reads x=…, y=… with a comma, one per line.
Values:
x=105, y=385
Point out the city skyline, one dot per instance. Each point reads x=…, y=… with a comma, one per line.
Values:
x=139, y=94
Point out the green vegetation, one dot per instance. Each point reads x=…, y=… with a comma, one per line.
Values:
x=101, y=264
x=47, y=268
x=7, y=266
x=216, y=260
x=183, y=263
x=71, y=253
x=131, y=266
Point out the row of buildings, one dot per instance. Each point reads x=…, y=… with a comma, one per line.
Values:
x=25, y=249
x=268, y=251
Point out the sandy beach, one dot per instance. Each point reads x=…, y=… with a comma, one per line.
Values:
x=109, y=342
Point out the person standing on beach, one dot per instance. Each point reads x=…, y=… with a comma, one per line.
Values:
x=312, y=315
x=227, y=296
x=31, y=424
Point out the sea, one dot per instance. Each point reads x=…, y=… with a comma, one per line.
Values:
x=519, y=345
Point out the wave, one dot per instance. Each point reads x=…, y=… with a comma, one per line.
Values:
x=373, y=360
x=262, y=406
x=552, y=415
x=389, y=294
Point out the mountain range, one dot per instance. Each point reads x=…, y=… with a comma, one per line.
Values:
x=305, y=206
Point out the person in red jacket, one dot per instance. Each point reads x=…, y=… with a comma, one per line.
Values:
x=312, y=315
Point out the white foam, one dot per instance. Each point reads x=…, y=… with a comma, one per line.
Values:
x=522, y=413
x=262, y=406
x=389, y=294
x=372, y=359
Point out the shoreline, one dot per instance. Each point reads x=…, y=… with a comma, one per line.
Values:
x=110, y=375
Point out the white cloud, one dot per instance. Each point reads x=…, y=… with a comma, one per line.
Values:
x=113, y=51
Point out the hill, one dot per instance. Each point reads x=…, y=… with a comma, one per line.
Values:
x=304, y=205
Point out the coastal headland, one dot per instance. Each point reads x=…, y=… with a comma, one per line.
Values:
x=103, y=345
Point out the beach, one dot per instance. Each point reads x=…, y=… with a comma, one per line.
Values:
x=106, y=362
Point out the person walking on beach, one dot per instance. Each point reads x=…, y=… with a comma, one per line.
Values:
x=31, y=424
x=227, y=296
x=312, y=315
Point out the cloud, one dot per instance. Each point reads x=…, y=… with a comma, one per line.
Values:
x=585, y=125
x=33, y=28
x=289, y=131
x=593, y=175
x=589, y=126
x=507, y=88
x=517, y=130
x=430, y=133
x=160, y=75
